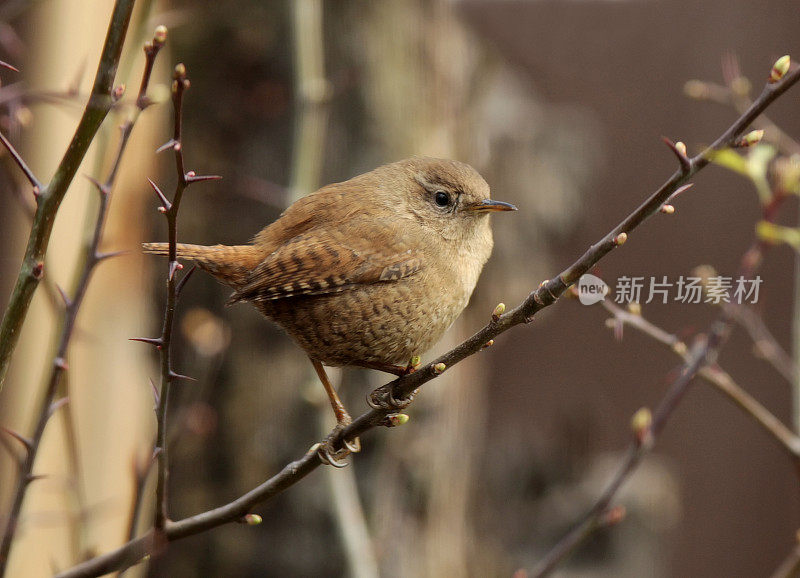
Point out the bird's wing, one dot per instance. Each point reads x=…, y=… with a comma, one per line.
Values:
x=318, y=262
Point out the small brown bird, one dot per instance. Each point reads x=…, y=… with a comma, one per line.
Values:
x=368, y=272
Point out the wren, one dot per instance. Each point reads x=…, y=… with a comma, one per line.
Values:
x=368, y=272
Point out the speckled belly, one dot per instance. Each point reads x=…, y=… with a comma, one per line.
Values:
x=383, y=323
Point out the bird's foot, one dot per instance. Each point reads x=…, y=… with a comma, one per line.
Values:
x=383, y=398
x=332, y=456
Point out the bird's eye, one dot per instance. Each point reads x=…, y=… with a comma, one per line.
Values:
x=441, y=198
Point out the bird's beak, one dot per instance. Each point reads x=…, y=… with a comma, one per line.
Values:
x=490, y=205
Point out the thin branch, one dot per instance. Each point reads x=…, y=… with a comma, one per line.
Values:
x=402, y=387
x=717, y=377
x=140, y=475
x=703, y=353
x=703, y=356
x=72, y=307
x=50, y=197
x=765, y=343
x=170, y=210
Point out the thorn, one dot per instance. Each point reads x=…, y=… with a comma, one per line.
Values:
x=191, y=178
x=170, y=144
x=173, y=375
x=174, y=266
x=58, y=404
x=110, y=255
x=20, y=163
x=25, y=441
x=165, y=204
x=680, y=153
x=156, y=341
x=183, y=280
x=7, y=65
x=34, y=477
x=156, y=395
x=64, y=297
x=103, y=189
x=679, y=190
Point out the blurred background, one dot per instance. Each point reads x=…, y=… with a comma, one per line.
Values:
x=561, y=105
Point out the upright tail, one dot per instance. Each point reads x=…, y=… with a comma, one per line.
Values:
x=229, y=264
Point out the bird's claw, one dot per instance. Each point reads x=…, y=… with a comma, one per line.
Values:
x=331, y=456
x=383, y=399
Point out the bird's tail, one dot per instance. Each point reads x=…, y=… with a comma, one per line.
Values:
x=229, y=264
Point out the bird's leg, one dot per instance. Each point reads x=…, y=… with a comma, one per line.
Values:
x=382, y=397
x=326, y=451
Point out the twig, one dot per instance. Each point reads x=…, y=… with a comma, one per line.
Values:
x=77, y=519
x=695, y=362
x=170, y=210
x=402, y=387
x=140, y=475
x=717, y=377
x=50, y=197
x=766, y=344
x=703, y=353
x=37, y=185
x=72, y=306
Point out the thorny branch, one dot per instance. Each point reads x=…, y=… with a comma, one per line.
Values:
x=403, y=387
x=180, y=84
x=72, y=307
x=48, y=198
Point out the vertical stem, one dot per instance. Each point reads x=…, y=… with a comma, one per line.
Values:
x=312, y=90
x=72, y=307
x=180, y=84
x=49, y=199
